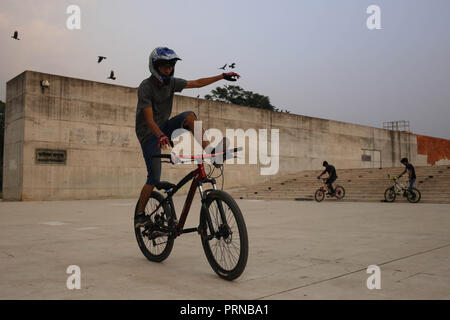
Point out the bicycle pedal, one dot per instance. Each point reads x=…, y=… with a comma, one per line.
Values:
x=144, y=224
x=157, y=234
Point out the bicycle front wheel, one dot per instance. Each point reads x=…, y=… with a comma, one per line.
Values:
x=389, y=194
x=224, y=235
x=319, y=195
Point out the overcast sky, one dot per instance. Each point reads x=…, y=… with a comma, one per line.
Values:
x=312, y=57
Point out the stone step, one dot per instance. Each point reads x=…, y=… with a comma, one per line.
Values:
x=347, y=198
x=360, y=185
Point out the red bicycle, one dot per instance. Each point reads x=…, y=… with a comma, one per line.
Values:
x=222, y=227
x=339, y=192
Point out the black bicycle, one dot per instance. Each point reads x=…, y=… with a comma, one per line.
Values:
x=222, y=227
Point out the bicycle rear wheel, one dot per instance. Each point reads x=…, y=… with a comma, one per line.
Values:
x=155, y=246
x=413, y=195
x=319, y=195
x=389, y=194
x=224, y=235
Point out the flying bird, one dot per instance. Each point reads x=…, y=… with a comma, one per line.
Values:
x=111, y=76
x=100, y=58
x=16, y=35
x=223, y=68
x=232, y=65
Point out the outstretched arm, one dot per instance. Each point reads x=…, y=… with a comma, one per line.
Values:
x=322, y=173
x=207, y=81
x=402, y=173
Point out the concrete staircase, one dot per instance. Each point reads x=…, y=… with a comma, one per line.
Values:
x=362, y=185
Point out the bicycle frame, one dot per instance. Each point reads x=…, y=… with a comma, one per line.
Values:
x=398, y=187
x=198, y=177
x=325, y=186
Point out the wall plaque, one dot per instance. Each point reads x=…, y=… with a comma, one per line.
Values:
x=51, y=156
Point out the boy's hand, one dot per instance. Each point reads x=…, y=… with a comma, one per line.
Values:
x=230, y=76
x=163, y=142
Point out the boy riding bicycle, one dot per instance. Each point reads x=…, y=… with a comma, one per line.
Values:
x=153, y=126
x=332, y=176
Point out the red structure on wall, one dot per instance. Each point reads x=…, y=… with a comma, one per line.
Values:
x=435, y=148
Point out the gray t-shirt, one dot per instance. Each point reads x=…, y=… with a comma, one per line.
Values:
x=159, y=99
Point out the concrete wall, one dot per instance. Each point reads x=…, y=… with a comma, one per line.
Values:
x=14, y=139
x=94, y=122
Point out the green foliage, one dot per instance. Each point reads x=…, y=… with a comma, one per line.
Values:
x=239, y=96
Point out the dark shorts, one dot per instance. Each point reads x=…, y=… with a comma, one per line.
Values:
x=150, y=147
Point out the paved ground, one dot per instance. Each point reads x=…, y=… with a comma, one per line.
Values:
x=298, y=250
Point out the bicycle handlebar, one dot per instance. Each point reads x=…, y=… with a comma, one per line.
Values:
x=175, y=159
x=393, y=177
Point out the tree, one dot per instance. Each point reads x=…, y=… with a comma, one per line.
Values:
x=239, y=96
x=2, y=138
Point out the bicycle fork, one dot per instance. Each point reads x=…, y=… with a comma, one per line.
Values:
x=206, y=213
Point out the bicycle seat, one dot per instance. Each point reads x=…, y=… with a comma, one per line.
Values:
x=165, y=185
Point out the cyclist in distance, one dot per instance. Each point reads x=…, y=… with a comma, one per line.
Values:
x=331, y=176
x=154, y=107
x=411, y=172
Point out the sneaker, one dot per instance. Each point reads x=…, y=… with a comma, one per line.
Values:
x=142, y=220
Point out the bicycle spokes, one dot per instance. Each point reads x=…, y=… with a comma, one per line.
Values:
x=154, y=240
x=225, y=243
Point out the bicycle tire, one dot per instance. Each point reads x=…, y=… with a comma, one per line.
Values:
x=340, y=192
x=168, y=212
x=319, y=195
x=221, y=268
x=410, y=194
x=390, y=195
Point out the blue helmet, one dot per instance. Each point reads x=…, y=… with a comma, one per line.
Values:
x=161, y=54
